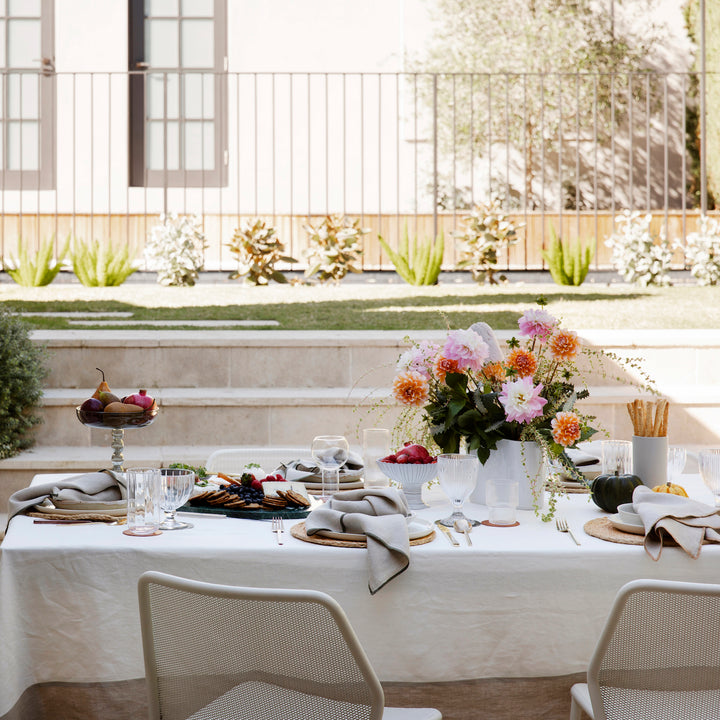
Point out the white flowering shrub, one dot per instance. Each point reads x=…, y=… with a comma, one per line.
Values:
x=702, y=252
x=638, y=255
x=175, y=249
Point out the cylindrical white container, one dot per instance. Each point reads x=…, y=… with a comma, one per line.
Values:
x=650, y=455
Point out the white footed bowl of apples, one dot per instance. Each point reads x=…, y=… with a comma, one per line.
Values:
x=105, y=409
x=411, y=467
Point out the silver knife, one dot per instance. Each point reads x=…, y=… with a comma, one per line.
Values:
x=447, y=533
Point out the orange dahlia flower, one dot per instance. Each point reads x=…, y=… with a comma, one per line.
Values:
x=523, y=362
x=410, y=388
x=494, y=372
x=564, y=345
x=566, y=428
x=444, y=365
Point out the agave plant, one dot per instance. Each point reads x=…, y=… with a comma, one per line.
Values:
x=39, y=269
x=417, y=263
x=568, y=265
x=258, y=249
x=99, y=264
x=333, y=248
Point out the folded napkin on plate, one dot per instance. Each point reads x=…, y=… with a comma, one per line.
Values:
x=101, y=486
x=378, y=513
x=687, y=521
x=307, y=469
x=581, y=458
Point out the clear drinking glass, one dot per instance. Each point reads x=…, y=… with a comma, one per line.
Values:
x=616, y=456
x=330, y=452
x=458, y=475
x=144, y=495
x=177, y=484
x=709, y=465
x=376, y=446
x=501, y=497
x=676, y=463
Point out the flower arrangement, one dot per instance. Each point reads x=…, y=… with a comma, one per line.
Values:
x=471, y=393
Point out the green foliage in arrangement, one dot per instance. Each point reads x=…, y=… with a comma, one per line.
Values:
x=258, y=248
x=567, y=265
x=39, y=269
x=334, y=248
x=417, y=263
x=22, y=371
x=99, y=264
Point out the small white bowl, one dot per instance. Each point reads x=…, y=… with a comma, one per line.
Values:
x=411, y=477
x=626, y=513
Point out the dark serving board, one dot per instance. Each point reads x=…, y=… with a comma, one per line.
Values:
x=260, y=514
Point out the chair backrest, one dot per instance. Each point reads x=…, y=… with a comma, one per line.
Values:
x=233, y=460
x=659, y=653
x=260, y=654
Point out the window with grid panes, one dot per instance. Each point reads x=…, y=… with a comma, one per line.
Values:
x=178, y=128
x=27, y=92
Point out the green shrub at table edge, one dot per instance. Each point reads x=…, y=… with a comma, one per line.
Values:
x=22, y=371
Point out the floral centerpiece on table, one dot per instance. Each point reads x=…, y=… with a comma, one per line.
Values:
x=472, y=393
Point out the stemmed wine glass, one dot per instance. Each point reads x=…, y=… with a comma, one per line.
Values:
x=458, y=475
x=709, y=466
x=330, y=452
x=177, y=484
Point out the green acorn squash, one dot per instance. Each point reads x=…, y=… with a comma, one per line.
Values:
x=609, y=491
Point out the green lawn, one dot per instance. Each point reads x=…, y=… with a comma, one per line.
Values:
x=363, y=306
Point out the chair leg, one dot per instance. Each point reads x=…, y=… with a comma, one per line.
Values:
x=576, y=712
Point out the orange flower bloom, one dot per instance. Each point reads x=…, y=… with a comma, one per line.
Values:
x=564, y=345
x=494, y=372
x=410, y=388
x=443, y=366
x=523, y=362
x=566, y=428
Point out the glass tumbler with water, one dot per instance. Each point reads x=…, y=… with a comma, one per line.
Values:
x=330, y=452
x=376, y=446
x=144, y=496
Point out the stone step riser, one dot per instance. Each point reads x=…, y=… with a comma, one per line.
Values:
x=329, y=360
x=286, y=418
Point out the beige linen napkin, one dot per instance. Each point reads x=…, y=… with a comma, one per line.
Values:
x=101, y=486
x=378, y=513
x=687, y=521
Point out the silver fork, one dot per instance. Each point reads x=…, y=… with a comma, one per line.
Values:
x=278, y=527
x=562, y=526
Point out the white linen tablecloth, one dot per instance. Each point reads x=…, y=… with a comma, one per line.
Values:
x=521, y=602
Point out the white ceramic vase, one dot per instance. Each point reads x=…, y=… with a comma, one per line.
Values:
x=518, y=460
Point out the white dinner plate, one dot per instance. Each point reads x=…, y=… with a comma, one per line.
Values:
x=417, y=528
x=48, y=507
x=626, y=527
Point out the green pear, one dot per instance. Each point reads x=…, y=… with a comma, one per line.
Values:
x=107, y=397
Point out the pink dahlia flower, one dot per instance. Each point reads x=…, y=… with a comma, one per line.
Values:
x=521, y=400
x=467, y=348
x=420, y=358
x=537, y=324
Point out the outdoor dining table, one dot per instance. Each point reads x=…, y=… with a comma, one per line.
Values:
x=501, y=628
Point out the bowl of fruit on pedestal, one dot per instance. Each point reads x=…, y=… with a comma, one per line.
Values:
x=410, y=467
x=106, y=411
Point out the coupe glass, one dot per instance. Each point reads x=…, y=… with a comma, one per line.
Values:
x=709, y=465
x=177, y=484
x=330, y=452
x=458, y=475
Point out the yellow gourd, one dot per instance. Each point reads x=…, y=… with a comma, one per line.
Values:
x=671, y=489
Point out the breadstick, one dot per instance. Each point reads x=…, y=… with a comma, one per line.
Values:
x=657, y=425
x=631, y=413
x=666, y=411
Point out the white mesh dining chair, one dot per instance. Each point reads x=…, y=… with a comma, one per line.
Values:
x=219, y=652
x=233, y=460
x=658, y=656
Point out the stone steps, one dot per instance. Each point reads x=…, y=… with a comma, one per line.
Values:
x=257, y=388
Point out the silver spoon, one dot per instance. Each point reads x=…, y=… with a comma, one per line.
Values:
x=464, y=527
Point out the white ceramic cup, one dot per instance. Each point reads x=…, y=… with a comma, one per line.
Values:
x=144, y=495
x=501, y=495
x=650, y=455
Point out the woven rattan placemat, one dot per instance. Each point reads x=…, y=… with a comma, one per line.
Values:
x=603, y=529
x=298, y=531
x=98, y=517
